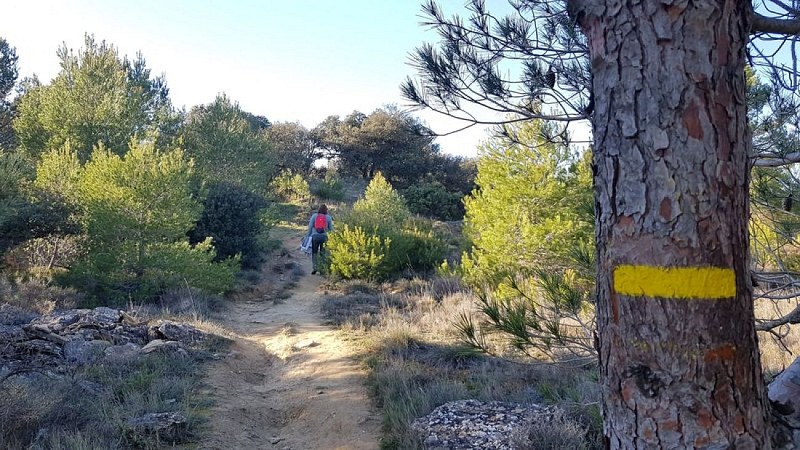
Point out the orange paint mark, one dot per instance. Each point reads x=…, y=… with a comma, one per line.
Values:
x=674, y=11
x=691, y=120
x=628, y=391
x=666, y=208
x=738, y=423
x=702, y=441
x=723, y=353
x=670, y=425
x=705, y=419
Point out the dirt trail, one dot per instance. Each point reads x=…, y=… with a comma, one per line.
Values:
x=293, y=383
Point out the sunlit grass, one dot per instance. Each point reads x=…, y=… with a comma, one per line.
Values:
x=418, y=361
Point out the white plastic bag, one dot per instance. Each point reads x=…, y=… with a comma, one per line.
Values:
x=305, y=246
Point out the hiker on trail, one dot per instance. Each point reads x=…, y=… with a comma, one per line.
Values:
x=318, y=228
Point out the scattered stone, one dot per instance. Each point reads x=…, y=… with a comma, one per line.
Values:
x=82, y=352
x=306, y=343
x=276, y=440
x=168, y=347
x=469, y=424
x=181, y=332
x=167, y=425
x=43, y=332
x=55, y=341
x=60, y=320
x=14, y=315
x=11, y=333
x=39, y=346
x=122, y=353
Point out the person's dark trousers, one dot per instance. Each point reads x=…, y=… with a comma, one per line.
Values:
x=317, y=247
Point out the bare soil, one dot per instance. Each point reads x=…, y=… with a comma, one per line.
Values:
x=292, y=382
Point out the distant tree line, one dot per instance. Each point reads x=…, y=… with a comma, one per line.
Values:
x=110, y=188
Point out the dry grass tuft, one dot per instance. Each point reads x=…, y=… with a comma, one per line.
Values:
x=780, y=349
x=417, y=360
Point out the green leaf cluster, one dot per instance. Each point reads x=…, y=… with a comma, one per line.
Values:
x=358, y=254
x=431, y=199
x=533, y=204
x=532, y=261
x=137, y=209
x=382, y=238
x=229, y=145
x=290, y=186
x=231, y=217
x=97, y=96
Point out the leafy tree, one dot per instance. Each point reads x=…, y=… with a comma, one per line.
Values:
x=294, y=146
x=97, y=96
x=533, y=204
x=8, y=79
x=231, y=218
x=138, y=210
x=670, y=160
x=456, y=174
x=382, y=204
x=14, y=169
x=30, y=211
x=228, y=145
x=290, y=186
x=330, y=187
x=386, y=141
x=379, y=238
x=431, y=199
x=59, y=171
x=530, y=223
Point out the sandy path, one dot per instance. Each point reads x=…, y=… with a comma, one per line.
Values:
x=292, y=383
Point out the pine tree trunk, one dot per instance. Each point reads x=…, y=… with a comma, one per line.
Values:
x=678, y=353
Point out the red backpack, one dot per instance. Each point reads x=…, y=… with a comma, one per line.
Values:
x=321, y=223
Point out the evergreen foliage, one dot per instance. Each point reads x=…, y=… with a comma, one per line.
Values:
x=381, y=205
x=228, y=145
x=381, y=238
x=290, y=187
x=294, y=146
x=387, y=141
x=533, y=204
x=231, y=218
x=530, y=222
x=328, y=188
x=431, y=199
x=97, y=96
x=138, y=209
x=8, y=79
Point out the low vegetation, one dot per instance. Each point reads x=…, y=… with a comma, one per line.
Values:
x=418, y=360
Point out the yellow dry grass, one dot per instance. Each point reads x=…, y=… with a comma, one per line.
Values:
x=777, y=353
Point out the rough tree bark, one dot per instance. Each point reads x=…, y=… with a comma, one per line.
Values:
x=678, y=353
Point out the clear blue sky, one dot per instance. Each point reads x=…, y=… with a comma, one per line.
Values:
x=288, y=60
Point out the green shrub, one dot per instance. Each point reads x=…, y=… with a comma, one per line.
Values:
x=138, y=210
x=164, y=266
x=415, y=247
x=231, y=218
x=433, y=200
x=289, y=186
x=358, y=254
x=382, y=239
x=329, y=188
x=381, y=205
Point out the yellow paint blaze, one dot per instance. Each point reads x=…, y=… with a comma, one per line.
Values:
x=675, y=282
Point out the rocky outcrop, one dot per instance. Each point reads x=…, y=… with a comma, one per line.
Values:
x=167, y=425
x=470, y=424
x=56, y=341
